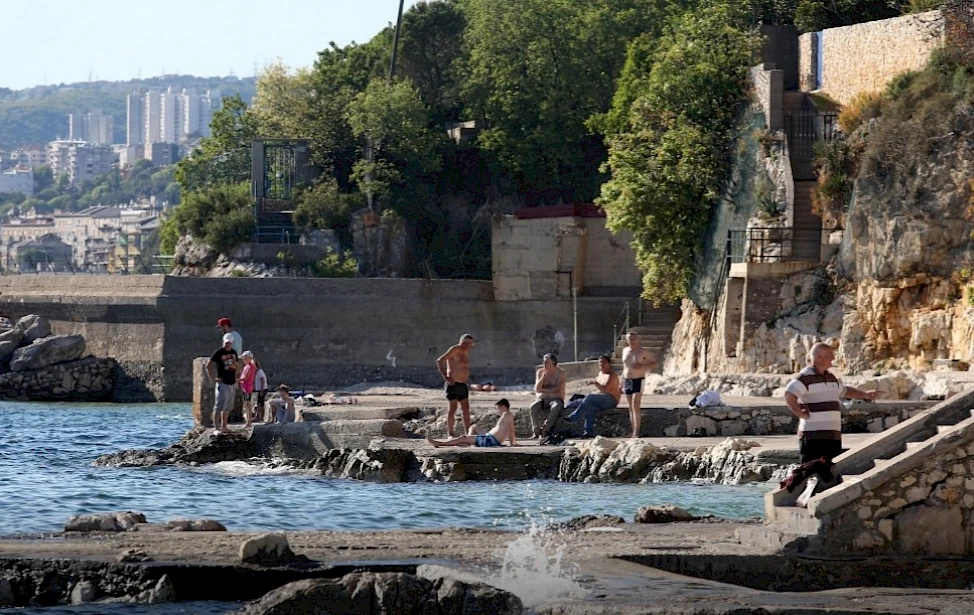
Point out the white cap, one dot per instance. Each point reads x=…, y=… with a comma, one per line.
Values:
x=227, y=337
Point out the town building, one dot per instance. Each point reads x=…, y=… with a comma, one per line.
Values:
x=29, y=157
x=17, y=180
x=80, y=160
x=93, y=127
x=134, y=119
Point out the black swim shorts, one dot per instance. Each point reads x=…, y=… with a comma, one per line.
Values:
x=457, y=391
x=632, y=385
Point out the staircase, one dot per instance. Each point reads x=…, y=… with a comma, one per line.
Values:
x=806, y=240
x=275, y=227
x=655, y=332
x=801, y=124
x=871, y=472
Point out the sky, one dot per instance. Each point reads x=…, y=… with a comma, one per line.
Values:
x=64, y=41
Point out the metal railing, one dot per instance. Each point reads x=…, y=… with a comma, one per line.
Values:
x=759, y=244
x=628, y=317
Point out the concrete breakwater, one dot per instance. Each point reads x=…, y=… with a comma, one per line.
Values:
x=310, y=333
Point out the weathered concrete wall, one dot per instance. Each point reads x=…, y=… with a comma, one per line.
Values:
x=309, y=333
x=541, y=258
x=769, y=91
x=808, y=61
x=864, y=57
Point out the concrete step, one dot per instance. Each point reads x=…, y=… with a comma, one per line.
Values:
x=356, y=412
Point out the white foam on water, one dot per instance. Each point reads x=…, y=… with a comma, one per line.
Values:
x=266, y=467
x=532, y=567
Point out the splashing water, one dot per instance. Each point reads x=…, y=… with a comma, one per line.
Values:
x=532, y=567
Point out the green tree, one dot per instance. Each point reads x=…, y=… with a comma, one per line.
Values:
x=392, y=122
x=220, y=215
x=225, y=156
x=283, y=104
x=668, y=162
x=431, y=43
x=324, y=206
x=43, y=178
x=537, y=71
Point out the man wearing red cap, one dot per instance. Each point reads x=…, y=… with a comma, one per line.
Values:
x=226, y=326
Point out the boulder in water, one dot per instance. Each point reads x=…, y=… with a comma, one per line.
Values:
x=104, y=522
x=48, y=351
x=664, y=513
x=10, y=340
x=195, y=525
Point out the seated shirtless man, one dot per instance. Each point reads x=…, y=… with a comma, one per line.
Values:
x=503, y=430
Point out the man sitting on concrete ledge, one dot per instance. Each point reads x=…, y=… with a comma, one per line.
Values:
x=549, y=388
x=503, y=430
x=607, y=396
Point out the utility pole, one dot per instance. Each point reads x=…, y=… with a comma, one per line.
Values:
x=395, y=42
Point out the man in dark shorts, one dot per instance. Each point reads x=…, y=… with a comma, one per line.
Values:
x=636, y=362
x=222, y=370
x=454, y=366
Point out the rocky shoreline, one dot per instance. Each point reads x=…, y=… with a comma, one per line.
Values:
x=732, y=462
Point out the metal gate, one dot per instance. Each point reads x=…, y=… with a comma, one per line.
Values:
x=804, y=128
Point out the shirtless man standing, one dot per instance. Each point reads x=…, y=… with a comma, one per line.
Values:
x=454, y=366
x=636, y=361
x=503, y=430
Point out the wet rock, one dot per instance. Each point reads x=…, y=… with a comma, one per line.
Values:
x=48, y=351
x=374, y=465
x=665, y=513
x=34, y=327
x=459, y=598
x=267, y=549
x=387, y=593
x=6, y=593
x=129, y=556
x=104, y=522
x=195, y=525
x=197, y=446
x=164, y=591
x=83, y=593
x=588, y=521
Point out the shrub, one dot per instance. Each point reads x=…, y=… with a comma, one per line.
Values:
x=336, y=265
x=222, y=216
x=863, y=107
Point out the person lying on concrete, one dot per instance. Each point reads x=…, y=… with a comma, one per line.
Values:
x=283, y=408
x=484, y=387
x=503, y=430
x=636, y=362
x=813, y=396
x=454, y=366
x=549, y=390
x=222, y=370
x=248, y=375
x=606, y=397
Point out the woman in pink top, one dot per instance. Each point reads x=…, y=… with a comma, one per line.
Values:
x=247, y=375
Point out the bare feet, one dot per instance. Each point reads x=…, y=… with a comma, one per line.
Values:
x=432, y=442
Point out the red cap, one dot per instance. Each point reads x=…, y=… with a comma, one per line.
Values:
x=223, y=321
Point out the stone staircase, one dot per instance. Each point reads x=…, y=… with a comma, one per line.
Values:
x=913, y=472
x=655, y=332
x=806, y=240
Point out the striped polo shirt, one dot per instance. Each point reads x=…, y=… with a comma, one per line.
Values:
x=819, y=394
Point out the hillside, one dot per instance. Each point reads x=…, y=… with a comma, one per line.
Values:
x=40, y=114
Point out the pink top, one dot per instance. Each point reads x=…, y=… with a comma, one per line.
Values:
x=247, y=378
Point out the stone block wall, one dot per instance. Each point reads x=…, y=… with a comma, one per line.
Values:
x=88, y=379
x=769, y=91
x=928, y=510
x=865, y=57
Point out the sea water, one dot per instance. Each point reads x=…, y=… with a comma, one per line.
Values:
x=46, y=476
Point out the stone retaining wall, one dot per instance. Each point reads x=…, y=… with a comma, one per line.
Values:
x=88, y=379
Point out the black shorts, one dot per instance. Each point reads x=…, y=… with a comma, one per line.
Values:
x=247, y=396
x=261, y=397
x=811, y=449
x=457, y=391
x=632, y=385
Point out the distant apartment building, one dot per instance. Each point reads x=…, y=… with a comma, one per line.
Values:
x=29, y=157
x=80, y=160
x=171, y=116
x=163, y=154
x=93, y=127
x=17, y=180
x=135, y=119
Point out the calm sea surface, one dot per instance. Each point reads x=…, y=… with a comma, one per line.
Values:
x=46, y=476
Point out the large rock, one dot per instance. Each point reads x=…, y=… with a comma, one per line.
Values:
x=384, y=465
x=386, y=593
x=268, y=549
x=104, y=522
x=195, y=525
x=664, y=513
x=34, y=327
x=10, y=340
x=48, y=351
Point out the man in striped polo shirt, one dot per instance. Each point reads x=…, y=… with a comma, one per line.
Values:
x=814, y=398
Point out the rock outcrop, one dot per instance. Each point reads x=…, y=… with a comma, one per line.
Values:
x=104, y=522
x=385, y=593
x=46, y=351
x=267, y=549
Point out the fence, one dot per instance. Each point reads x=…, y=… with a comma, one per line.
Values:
x=759, y=244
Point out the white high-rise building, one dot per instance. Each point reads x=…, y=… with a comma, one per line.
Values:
x=93, y=127
x=209, y=102
x=152, y=117
x=135, y=119
x=170, y=116
x=191, y=114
